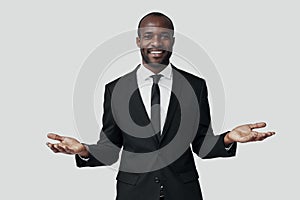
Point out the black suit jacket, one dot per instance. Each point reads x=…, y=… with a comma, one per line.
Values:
x=179, y=176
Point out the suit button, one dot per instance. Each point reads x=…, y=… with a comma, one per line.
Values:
x=161, y=188
x=156, y=179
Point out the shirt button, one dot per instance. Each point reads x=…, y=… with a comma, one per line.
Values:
x=156, y=179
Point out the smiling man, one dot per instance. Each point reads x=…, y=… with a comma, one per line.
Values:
x=155, y=40
x=149, y=168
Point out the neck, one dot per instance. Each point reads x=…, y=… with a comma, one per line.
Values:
x=155, y=69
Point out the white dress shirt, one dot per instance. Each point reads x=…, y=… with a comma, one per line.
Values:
x=145, y=82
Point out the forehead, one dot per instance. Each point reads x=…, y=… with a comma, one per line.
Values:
x=154, y=29
x=155, y=24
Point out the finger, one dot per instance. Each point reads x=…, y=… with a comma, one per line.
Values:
x=70, y=151
x=258, y=125
x=60, y=148
x=54, y=136
x=51, y=146
x=262, y=136
x=57, y=148
x=250, y=137
x=64, y=148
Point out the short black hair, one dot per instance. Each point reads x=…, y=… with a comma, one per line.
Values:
x=157, y=14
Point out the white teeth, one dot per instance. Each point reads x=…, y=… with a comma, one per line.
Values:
x=156, y=52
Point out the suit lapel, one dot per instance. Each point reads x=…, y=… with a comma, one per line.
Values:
x=173, y=104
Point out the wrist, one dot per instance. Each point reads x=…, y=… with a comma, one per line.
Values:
x=227, y=139
x=84, y=153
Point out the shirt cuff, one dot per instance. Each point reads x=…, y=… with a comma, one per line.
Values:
x=82, y=158
x=229, y=147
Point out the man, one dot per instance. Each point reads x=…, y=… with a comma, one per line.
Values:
x=172, y=108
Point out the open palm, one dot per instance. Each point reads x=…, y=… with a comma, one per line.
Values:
x=66, y=145
x=245, y=133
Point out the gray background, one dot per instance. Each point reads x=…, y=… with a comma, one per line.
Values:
x=254, y=45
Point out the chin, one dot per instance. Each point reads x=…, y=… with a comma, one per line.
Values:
x=156, y=65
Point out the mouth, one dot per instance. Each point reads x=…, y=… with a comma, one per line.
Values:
x=156, y=52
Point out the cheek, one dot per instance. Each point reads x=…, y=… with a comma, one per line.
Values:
x=144, y=44
x=168, y=45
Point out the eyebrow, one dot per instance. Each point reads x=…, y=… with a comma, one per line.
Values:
x=148, y=32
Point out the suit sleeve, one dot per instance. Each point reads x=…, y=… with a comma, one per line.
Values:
x=107, y=149
x=206, y=144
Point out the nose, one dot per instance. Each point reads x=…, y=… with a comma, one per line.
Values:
x=156, y=41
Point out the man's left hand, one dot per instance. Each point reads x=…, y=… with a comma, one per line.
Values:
x=245, y=133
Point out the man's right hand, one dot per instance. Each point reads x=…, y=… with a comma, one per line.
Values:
x=67, y=145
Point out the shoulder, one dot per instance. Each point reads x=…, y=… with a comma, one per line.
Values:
x=126, y=77
x=193, y=79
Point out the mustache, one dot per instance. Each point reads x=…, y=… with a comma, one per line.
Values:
x=156, y=49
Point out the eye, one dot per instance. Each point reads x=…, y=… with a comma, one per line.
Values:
x=165, y=36
x=147, y=36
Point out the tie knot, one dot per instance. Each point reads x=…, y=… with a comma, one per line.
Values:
x=156, y=78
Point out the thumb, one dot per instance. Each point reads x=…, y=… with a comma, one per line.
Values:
x=257, y=125
x=54, y=136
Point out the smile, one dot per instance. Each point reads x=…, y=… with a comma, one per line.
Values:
x=156, y=52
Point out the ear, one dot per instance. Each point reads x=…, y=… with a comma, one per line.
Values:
x=138, y=42
x=173, y=42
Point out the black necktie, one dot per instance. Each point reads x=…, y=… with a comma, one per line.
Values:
x=155, y=104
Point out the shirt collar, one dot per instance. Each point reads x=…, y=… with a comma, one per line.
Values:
x=145, y=73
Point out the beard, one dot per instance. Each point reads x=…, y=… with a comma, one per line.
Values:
x=164, y=62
